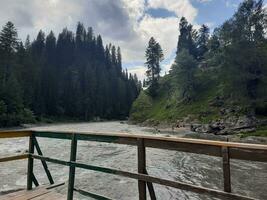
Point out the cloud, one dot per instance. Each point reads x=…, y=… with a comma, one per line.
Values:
x=140, y=71
x=109, y=18
x=165, y=30
x=122, y=22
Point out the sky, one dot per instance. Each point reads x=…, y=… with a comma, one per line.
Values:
x=125, y=23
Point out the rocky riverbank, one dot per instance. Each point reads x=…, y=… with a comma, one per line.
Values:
x=230, y=125
x=233, y=128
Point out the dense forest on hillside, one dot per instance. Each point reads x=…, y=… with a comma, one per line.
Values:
x=218, y=79
x=72, y=76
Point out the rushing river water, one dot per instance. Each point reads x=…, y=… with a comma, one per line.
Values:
x=248, y=178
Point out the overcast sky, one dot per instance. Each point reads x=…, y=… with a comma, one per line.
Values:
x=127, y=23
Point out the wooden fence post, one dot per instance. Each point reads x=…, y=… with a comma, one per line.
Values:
x=30, y=164
x=72, y=168
x=141, y=153
x=226, y=169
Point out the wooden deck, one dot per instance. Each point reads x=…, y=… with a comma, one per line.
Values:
x=40, y=193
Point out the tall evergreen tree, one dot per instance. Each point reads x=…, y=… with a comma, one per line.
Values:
x=154, y=56
x=69, y=76
x=202, y=41
x=183, y=71
x=187, y=38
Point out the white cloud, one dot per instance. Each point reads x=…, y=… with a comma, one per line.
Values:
x=140, y=71
x=121, y=22
x=165, y=30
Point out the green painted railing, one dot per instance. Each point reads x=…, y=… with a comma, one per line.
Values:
x=225, y=150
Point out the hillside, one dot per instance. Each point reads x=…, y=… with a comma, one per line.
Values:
x=218, y=82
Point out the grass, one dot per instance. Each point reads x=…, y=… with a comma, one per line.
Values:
x=168, y=106
x=261, y=131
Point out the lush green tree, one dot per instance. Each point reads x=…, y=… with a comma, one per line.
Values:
x=8, y=38
x=243, y=39
x=202, y=41
x=183, y=71
x=8, y=46
x=187, y=38
x=154, y=56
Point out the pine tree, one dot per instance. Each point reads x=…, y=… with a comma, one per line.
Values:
x=119, y=64
x=8, y=38
x=154, y=56
x=8, y=46
x=69, y=76
x=202, y=42
x=183, y=71
x=187, y=38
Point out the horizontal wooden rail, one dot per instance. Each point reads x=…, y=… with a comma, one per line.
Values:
x=15, y=133
x=16, y=157
x=146, y=178
x=242, y=151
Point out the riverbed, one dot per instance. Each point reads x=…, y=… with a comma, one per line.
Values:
x=248, y=178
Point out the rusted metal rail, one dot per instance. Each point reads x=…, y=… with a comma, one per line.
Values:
x=225, y=150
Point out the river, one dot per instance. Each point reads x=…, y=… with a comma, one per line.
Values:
x=248, y=178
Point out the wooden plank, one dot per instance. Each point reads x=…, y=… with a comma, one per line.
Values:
x=147, y=178
x=87, y=137
x=17, y=157
x=50, y=196
x=38, y=149
x=141, y=154
x=92, y=195
x=153, y=137
x=12, y=194
x=40, y=193
x=241, y=151
x=15, y=133
x=30, y=164
x=184, y=147
x=25, y=194
x=72, y=167
x=226, y=169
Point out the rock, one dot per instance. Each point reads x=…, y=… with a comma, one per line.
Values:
x=194, y=127
x=204, y=129
x=227, y=126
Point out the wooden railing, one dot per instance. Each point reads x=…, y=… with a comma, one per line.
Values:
x=225, y=150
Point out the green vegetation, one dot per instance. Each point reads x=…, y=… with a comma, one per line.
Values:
x=71, y=76
x=261, y=131
x=216, y=76
x=154, y=56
